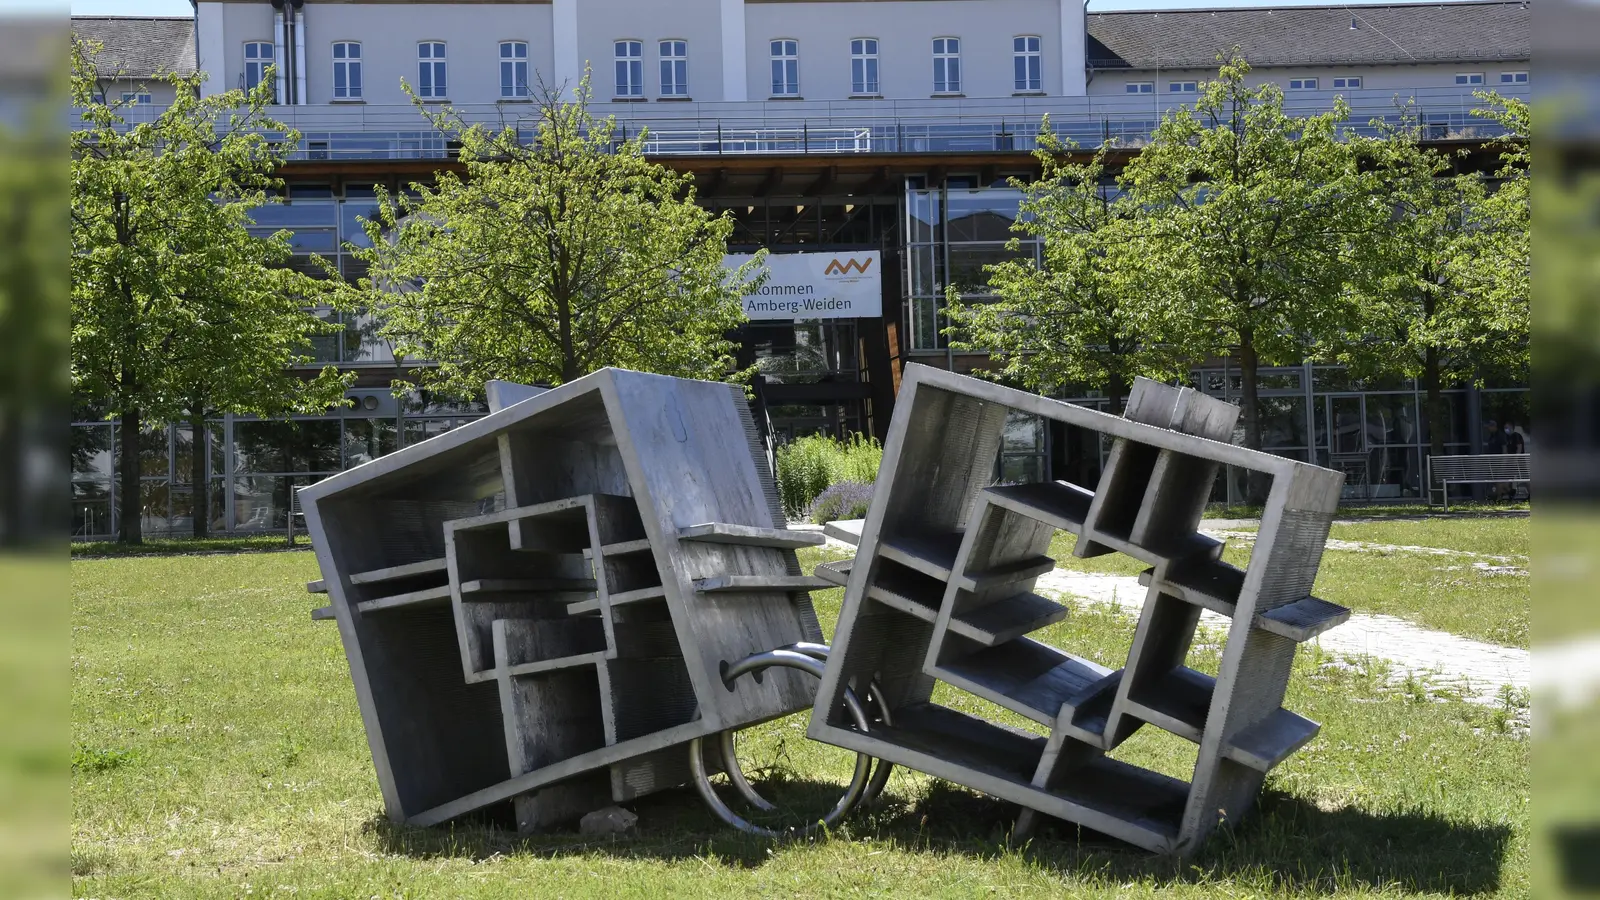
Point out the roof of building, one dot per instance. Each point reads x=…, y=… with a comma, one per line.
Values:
x=1311, y=35
x=140, y=46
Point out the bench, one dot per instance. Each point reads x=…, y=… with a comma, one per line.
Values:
x=1488, y=468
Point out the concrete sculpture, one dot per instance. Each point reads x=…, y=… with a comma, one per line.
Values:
x=942, y=590
x=539, y=606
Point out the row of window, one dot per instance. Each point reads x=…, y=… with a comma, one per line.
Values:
x=1343, y=82
x=673, y=59
x=433, y=78
x=673, y=56
x=1027, y=66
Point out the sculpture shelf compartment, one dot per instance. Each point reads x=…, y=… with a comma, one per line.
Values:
x=956, y=558
x=535, y=605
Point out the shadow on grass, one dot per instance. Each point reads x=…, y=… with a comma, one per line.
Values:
x=1288, y=843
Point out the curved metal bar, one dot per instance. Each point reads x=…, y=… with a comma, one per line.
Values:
x=880, y=773
x=791, y=659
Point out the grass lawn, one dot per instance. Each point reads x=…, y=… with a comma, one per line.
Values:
x=218, y=753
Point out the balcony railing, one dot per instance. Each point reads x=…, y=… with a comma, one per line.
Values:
x=397, y=132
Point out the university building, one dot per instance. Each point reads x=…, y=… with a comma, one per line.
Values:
x=867, y=146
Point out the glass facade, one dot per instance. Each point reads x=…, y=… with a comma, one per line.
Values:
x=1377, y=433
x=251, y=464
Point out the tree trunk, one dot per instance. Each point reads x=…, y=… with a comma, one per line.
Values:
x=199, y=484
x=1116, y=394
x=129, y=516
x=1438, y=414
x=1250, y=411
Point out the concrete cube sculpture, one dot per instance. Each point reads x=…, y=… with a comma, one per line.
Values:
x=536, y=605
x=942, y=590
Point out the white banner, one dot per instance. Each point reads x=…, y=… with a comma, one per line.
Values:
x=816, y=286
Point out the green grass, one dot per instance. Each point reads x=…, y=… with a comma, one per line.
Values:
x=1490, y=536
x=217, y=752
x=175, y=546
x=1379, y=510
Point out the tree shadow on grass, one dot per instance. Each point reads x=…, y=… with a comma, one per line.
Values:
x=1287, y=844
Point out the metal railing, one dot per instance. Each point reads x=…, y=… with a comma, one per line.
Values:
x=956, y=125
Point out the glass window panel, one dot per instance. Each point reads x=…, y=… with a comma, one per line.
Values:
x=91, y=451
x=1392, y=419
x=967, y=262
x=982, y=215
x=362, y=342
x=261, y=446
x=154, y=508
x=925, y=215
x=1021, y=469
x=924, y=277
x=350, y=228
x=153, y=451
x=1283, y=422
x=260, y=503
x=927, y=321
x=325, y=347
x=419, y=430
x=1023, y=432
x=1455, y=420
x=91, y=509
x=182, y=453
x=295, y=215
x=368, y=439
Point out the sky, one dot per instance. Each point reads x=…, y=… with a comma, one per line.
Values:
x=183, y=7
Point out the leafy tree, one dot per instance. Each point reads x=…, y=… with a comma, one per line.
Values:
x=1258, y=219
x=553, y=258
x=1087, y=313
x=1445, y=298
x=177, y=309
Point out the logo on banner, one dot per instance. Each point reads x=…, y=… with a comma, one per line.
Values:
x=837, y=268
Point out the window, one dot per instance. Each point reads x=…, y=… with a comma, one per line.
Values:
x=674, y=68
x=513, y=70
x=1182, y=87
x=785, y=68
x=1302, y=84
x=1027, y=64
x=864, y=67
x=431, y=80
x=1352, y=82
x=1469, y=78
x=257, y=58
x=1513, y=77
x=947, y=65
x=346, y=70
x=136, y=98
x=1141, y=87
x=630, y=68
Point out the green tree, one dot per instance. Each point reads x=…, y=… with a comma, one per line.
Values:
x=548, y=260
x=177, y=309
x=1087, y=313
x=1257, y=218
x=1444, y=298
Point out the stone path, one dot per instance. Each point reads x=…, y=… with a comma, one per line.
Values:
x=1476, y=669
x=1370, y=547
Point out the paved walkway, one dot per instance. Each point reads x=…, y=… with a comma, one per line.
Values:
x=1476, y=669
